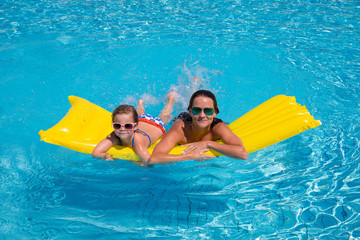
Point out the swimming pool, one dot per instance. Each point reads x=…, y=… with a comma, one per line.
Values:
x=111, y=52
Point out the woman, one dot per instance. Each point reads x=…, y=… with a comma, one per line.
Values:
x=199, y=133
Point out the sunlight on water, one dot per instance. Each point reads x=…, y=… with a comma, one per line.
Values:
x=116, y=52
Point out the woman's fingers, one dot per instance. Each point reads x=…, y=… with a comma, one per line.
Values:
x=191, y=147
x=198, y=153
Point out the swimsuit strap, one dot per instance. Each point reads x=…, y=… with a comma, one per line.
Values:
x=139, y=130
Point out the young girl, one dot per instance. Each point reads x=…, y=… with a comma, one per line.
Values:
x=135, y=129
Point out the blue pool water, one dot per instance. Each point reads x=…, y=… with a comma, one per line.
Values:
x=111, y=52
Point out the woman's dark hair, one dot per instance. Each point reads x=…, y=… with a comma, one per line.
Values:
x=204, y=93
x=125, y=109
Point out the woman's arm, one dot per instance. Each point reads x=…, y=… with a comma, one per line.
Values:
x=170, y=140
x=233, y=146
x=104, y=145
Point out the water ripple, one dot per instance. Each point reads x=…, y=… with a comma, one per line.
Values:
x=307, y=186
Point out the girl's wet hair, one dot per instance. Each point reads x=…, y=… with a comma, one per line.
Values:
x=204, y=93
x=126, y=109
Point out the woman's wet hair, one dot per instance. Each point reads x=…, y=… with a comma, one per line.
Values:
x=125, y=109
x=185, y=116
x=204, y=93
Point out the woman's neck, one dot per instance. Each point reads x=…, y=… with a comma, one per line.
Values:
x=198, y=133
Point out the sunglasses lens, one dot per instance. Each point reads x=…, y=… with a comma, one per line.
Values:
x=208, y=111
x=196, y=110
x=128, y=126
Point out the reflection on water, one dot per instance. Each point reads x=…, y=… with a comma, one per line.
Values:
x=113, y=52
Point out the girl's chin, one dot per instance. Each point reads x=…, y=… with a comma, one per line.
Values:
x=123, y=135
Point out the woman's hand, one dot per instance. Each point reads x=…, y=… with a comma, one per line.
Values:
x=197, y=149
x=202, y=146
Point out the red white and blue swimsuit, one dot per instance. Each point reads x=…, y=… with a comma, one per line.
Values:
x=157, y=122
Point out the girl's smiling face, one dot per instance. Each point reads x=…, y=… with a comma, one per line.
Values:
x=202, y=120
x=122, y=119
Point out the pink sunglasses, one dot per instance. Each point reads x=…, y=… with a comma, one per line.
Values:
x=127, y=126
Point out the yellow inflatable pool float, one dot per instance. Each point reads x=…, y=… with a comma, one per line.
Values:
x=273, y=121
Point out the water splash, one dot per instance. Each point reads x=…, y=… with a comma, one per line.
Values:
x=193, y=77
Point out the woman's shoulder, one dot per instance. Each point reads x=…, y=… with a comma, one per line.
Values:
x=216, y=122
x=176, y=133
x=178, y=125
x=220, y=128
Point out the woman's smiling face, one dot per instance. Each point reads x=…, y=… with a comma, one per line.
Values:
x=202, y=120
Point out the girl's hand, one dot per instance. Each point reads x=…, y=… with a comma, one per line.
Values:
x=143, y=163
x=108, y=157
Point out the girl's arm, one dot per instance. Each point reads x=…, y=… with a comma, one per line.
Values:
x=140, y=148
x=233, y=146
x=102, y=147
x=170, y=140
